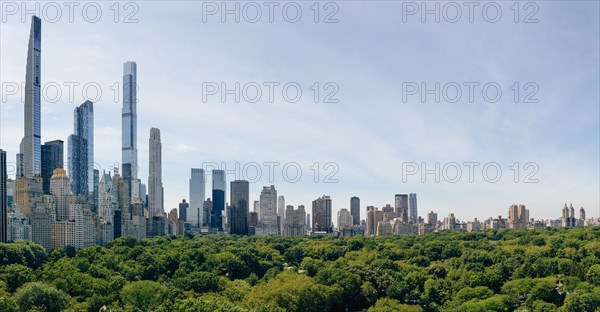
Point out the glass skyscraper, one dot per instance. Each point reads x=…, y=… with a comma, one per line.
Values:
x=31, y=147
x=355, y=210
x=129, y=122
x=80, y=153
x=238, y=212
x=52, y=158
x=218, y=206
x=195, y=213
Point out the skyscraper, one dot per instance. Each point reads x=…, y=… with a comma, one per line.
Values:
x=52, y=158
x=267, y=216
x=344, y=219
x=129, y=122
x=238, y=216
x=321, y=211
x=281, y=212
x=355, y=210
x=295, y=221
x=3, y=201
x=31, y=149
x=413, y=215
x=197, y=197
x=401, y=206
x=81, y=151
x=219, y=187
x=517, y=217
x=155, y=187
x=183, y=208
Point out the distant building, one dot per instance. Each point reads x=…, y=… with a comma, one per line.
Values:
x=413, y=214
x=183, y=207
x=18, y=225
x=155, y=185
x=432, y=218
x=518, y=217
x=474, y=225
x=344, y=219
x=267, y=217
x=295, y=221
x=568, y=216
x=3, y=198
x=52, y=158
x=322, y=215
x=238, y=215
x=195, y=213
x=355, y=210
x=219, y=188
x=374, y=216
x=401, y=207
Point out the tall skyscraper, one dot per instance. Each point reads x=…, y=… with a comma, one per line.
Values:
x=517, y=217
x=31, y=147
x=155, y=186
x=3, y=201
x=183, y=208
x=52, y=158
x=219, y=187
x=321, y=211
x=267, y=216
x=195, y=214
x=107, y=198
x=281, y=212
x=238, y=215
x=295, y=221
x=401, y=206
x=81, y=151
x=344, y=219
x=129, y=122
x=413, y=214
x=355, y=210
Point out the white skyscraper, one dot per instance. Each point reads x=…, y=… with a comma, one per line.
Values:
x=281, y=211
x=155, y=187
x=267, y=220
x=106, y=198
x=344, y=219
x=197, y=197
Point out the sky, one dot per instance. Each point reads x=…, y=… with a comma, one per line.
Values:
x=368, y=131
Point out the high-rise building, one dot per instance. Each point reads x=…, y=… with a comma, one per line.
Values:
x=3, y=201
x=321, y=211
x=18, y=227
x=256, y=206
x=582, y=214
x=155, y=186
x=413, y=214
x=195, y=215
x=267, y=216
x=106, y=198
x=568, y=216
x=129, y=122
x=219, y=187
x=31, y=147
x=183, y=208
x=355, y=210
x=344, y=219
x=81, y=151
x=308, y=220
x=517, y=217
x=52, y=158
x=28, y=192
x=281, y=208
x=60, y=190
x=432, y=218
x=374, y=216
x=238, y=215
x=295, y=221
x=401, y=206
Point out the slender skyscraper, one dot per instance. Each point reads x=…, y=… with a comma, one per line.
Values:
x=129, y=122
x=401, y=207
x=31, y=148
x=155, y=187
x=355, y=210
x=218, y=193
x=267, y=216
x=238, y=216
x=52, y=158
x=81, y=168
x=413, y=214
x=183, y=208
x=3, y=203
x=197, y=197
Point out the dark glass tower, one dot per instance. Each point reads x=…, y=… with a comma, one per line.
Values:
x=52, y=158
x=238, y=216
x=80, y=154
x=355, y=210
x=218, y=205
x=3, y=202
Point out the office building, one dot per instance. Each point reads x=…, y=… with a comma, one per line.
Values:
x=267, y=217
x=52, y=158
x=219, y=187
x=195, y=215
x=295, y=221
x=183, y=208
x=321, y=212
x=3, y=200
x=355, y=210
x=238, y=212
x=413, y=215
x=401, y=207
x=129, y=123
x=344, y=219
x=155, y=186
x=517, y=217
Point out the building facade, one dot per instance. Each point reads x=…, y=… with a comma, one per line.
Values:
x=321, y=211
x=195, y=215
x=238, y=212
x=355, y=210
x=155, y=186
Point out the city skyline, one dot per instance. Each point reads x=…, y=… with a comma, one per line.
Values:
x=440, y=197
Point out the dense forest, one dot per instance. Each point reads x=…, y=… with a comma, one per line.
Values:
x=554, y=269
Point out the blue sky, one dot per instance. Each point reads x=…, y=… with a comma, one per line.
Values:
x=370, y=132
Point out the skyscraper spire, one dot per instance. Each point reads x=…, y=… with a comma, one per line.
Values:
x=31, y=150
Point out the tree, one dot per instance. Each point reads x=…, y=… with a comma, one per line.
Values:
x=391, y=305
x=15, y=275
x=38, y=296
x=143, y=295
x=593, y=275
